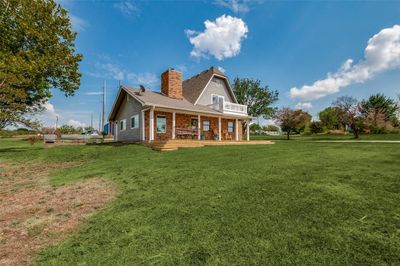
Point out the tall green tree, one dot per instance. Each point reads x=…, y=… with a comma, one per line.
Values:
x=292, y=120
x=37, y=53
x=379, y=104
x=329, y=118
x=257, y=98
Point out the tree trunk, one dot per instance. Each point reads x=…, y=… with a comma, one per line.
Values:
x=288, y=135
x=356, y=135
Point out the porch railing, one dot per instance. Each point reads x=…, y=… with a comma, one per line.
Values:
x=235, y=108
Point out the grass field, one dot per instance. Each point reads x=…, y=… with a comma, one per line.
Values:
x=329, y=137
x=292, y=202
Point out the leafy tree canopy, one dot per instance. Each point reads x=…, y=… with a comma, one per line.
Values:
x=258, y=99
x=292, y=120
x=329, y=118
x=379, y=103
x=37, y=53
x=349, y=112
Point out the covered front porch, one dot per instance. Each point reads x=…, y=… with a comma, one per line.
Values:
x=161, y=124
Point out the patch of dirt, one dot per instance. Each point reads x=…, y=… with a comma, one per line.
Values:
x=34, y=214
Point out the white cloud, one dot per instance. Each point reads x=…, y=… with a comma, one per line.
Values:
x=221, y=69
x=76, y=123
x=110, y=71
x=48, y=116
x=78, y=24
x=127, y=8
x=304, y=105
x=94, y=93
x=181, y=68
x=142, y=78
x=113, y=71
x=381, y=54
x=237, y=6
x=221, y=38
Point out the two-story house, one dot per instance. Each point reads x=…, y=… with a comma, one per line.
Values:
x=202, y=107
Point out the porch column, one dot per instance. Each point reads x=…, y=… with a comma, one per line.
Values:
x=151, y=125
x=173, y=125
x=248, y=130
x=198, y=127
x=237, y=130
x=143, y=127
x=219, y=128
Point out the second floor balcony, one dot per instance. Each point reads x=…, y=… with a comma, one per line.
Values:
x=230, y=108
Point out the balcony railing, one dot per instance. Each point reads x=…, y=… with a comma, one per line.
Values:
x=234, y=108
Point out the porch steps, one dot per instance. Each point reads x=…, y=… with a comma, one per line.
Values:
x=172, y=145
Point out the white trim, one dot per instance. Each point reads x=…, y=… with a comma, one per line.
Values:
x=116, y=128
x=123, y=125
x=143, y=126
x=186, y=111
x=173, y=125
x=219, y=96
x=213, y=94
x=151, y=125
x=248, y=130
x=198, y=127
x=136, y=121
x=219, y=128
x=233, y=126
x=116, y=99
x=209, y=127
x=227, y=81
x=165, y=130
x=237, y=130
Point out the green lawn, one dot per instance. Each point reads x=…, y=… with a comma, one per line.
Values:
x=328, y=137
x=288, y=203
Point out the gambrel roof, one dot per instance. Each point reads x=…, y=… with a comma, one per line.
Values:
x=192, y=90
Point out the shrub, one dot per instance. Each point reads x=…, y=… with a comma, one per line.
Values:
x=33, y=139
x=316, y=127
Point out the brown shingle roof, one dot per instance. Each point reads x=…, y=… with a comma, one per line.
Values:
x=152, y=98
x=193, y=86
x=192, y=89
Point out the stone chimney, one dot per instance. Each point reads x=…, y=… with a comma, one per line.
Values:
x=171, y=84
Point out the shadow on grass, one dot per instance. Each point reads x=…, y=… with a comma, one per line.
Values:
x=113, y=144
x=21, y=149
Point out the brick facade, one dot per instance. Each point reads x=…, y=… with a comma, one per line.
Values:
x=213, y=132
x=184, y=121
x=171, y=84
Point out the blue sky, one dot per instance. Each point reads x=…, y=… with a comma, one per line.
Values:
x=288, y=45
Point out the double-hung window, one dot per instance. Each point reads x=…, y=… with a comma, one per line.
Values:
x=122, y=125
x=135, y=121
x=161, y=124
x=206, y=125
x=230, y=126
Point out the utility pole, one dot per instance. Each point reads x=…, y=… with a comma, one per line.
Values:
x=91, y=121
x=104, y=105
x=100, y=123
x=56, y=121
